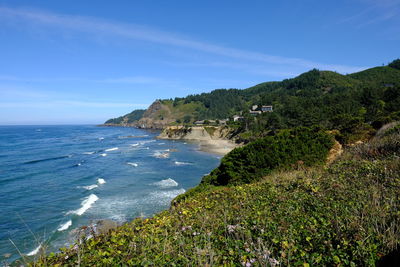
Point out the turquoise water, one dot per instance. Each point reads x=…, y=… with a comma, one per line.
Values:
x=54, y=179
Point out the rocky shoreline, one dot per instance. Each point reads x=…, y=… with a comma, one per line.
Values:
x=212, y=139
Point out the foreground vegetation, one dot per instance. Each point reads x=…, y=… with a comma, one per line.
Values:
x=343, y=214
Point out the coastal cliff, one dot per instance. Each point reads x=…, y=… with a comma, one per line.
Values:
x=196, y=132
x=215, y=139
x=160, y=113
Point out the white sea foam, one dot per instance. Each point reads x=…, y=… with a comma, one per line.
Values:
x=132, y=164
x=135, y=144
x=166, y=183
x=88, y=153
x=160, y=155
x=164, y=197
x=101, y=138
x=64, y=226
x=111, y=149
x=90, y=187
x=103, y=155
x=180, y=163
x=161, y=144
x=101, y=181
x=146, y=142
x=35, y=251
x=85, y=205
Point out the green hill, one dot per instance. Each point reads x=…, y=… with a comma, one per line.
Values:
x=355, y=104
x=128, y=118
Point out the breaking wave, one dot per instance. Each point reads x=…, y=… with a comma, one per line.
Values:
x=85, y=205
x=160, y=155
x=101, y=181
x=35, y=251
x=90, y=187
x=164, y=197
x=180, y=163
x=132, y=164
x=111, y=149
x=146, y=142
x=166, y=183
x=64, y=226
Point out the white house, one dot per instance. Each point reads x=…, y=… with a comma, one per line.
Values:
x=266, y=109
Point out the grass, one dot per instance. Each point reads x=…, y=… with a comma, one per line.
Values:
x=210, y=130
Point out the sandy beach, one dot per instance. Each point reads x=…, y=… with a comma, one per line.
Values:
x=215, y=142
x=220, y=147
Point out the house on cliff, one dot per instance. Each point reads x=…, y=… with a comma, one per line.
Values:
x=266, y=109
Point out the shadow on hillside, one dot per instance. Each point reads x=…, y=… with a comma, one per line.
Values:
x=391, y=259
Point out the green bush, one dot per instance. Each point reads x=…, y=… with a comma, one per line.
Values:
x=385, y=144
x=304, y=146
x=395, y=64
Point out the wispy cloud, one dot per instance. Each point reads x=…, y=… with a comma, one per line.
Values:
x=61, y=104
x=249, y=68
x=17, y=97
x=138, y=32
x=141, y=80
x=119, y=80
x=382, y=3
x=134, y=80
x=373, y=12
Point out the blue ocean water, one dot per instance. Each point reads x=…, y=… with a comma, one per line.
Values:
x=54, y=179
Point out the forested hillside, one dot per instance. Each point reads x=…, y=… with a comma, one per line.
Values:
x=128, y=118
x=354, y=104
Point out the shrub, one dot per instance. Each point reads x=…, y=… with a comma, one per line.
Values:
x=385, y=144
x=304, y=146
x=395, y=64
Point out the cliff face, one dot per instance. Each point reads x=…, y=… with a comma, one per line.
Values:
x=202, y=133
x=160, y=114
x=157, y=116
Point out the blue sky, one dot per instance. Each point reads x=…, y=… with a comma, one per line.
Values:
x=76, y=62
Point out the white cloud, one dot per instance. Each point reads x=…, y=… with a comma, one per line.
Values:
x=69, y=103
x=373, y=12
x=137, y=32
x=135, y=80
x=249, y=68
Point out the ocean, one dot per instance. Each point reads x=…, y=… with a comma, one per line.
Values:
x=56, y=179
